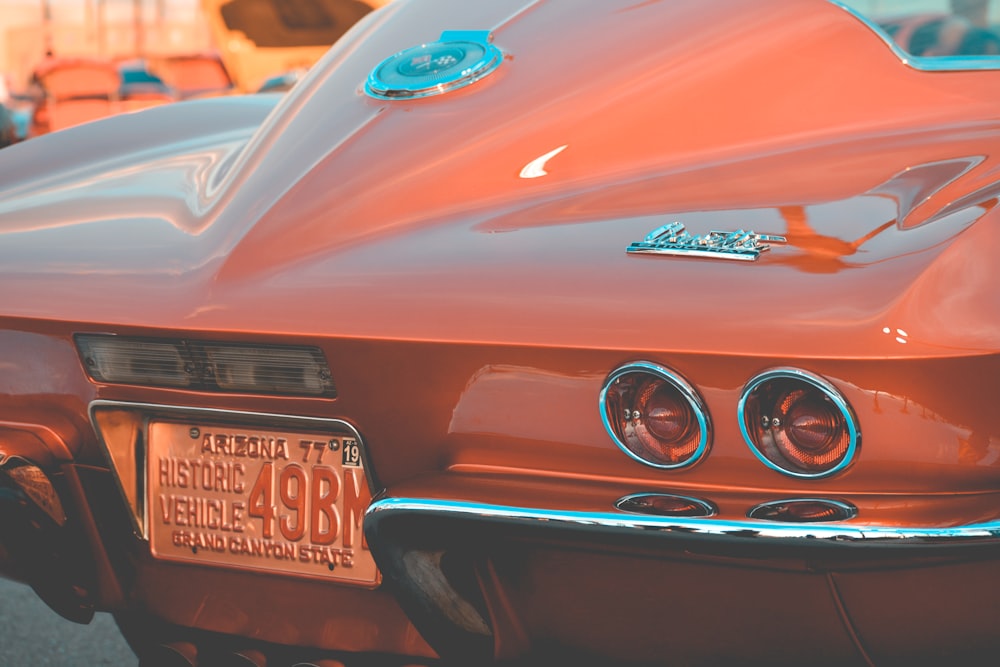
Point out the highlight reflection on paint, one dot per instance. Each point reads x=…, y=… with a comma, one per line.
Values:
x=536, y=168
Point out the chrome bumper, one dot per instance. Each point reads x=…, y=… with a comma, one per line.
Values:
x=743, y=530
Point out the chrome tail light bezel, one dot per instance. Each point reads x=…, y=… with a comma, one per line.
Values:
x=830, y=392
x=687, y=392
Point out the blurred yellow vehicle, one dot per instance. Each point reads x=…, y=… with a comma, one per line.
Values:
x=258, y=39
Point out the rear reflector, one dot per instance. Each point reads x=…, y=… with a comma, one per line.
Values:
x=207, y=366
x=136, y=361
x=271, y=370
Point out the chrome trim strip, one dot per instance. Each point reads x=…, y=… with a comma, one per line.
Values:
x=922, y=63
x=679, y=383
x=832, y=393
x=743, y=530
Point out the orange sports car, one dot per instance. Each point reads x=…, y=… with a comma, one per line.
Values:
x=523, y=332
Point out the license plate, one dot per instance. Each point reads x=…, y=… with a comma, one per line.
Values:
x=259, y=499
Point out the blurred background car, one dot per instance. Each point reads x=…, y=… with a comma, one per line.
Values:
x=71, y=91
x=192, y=75
x=942, y=29
x=258, y=39
x=8, y=130
x=141, y=88
x=21, y=109
x=77, y=61
x=282, y=82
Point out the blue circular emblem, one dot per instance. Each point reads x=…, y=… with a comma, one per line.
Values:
x=456, y=60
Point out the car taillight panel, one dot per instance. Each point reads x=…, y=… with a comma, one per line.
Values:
x=283, y=370
x=655, y=416
x=798, y=423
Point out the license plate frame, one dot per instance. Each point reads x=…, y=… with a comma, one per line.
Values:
x=282, y=499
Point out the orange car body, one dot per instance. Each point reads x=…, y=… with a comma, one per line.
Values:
x=458, y=259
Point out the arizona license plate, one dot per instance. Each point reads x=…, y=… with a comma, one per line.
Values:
x=259, y=499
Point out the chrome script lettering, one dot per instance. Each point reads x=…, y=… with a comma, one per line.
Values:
x=674, y=239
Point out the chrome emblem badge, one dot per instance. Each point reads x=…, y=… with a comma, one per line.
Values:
x=673, y=239
x=457, y=59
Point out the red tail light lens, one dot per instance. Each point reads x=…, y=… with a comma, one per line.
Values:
x=814, y=435
x=665, y=504
x=804, y=510
x=798, y=424
x=654, y=416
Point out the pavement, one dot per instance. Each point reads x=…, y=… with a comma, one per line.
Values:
x=32, y=634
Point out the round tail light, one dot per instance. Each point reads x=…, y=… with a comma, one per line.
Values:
x=798, y=423
x=654, y=416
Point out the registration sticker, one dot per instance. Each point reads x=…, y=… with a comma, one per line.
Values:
x=259, y=499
